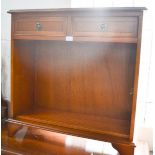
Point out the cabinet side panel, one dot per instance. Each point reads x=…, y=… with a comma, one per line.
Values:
x=22, y=77
x=136, y=76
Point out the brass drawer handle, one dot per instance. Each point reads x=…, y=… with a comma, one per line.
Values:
x=38, y=26
x=103, y=27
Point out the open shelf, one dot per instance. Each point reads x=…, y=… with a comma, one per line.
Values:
x=84, y=89
x=97, y=124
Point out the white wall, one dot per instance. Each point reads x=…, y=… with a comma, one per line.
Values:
x=6, y=30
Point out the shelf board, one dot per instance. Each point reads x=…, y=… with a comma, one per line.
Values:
x=78, y=39
x=82, y=122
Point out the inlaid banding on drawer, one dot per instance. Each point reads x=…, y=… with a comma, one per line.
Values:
x=105, y=26
x=45, y=26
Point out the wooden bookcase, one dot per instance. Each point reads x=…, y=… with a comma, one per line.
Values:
x=75, y=71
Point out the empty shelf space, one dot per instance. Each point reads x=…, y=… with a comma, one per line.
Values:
x=77, y=121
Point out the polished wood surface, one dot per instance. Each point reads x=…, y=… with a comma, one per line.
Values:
x=105, y=26
x=85, y=78
x=70, y=90
x=76, y=72
x=70, y=84
x=22, y=79
x=134, y=100
x=51, y=26
x=80, y=121
x=101, y=25
x=30, y=141
x=124, y=149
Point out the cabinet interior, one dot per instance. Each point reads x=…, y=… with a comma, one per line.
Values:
x=83, y=85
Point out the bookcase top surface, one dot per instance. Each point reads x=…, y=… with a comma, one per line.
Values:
x=80, y=9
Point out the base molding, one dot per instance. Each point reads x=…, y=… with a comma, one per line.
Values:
x=32, y=132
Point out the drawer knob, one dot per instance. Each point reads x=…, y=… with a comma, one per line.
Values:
x=38, y=26
x=103, y=27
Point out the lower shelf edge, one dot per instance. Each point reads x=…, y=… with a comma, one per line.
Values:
x=74, y=132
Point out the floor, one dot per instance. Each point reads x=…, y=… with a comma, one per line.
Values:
x=41, y=142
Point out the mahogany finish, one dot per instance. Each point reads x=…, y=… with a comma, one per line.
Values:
x=30, y=141
x=50, y=26
x=75, y=71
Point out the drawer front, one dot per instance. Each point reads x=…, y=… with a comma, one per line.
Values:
x=44, y=26
x=105, y=26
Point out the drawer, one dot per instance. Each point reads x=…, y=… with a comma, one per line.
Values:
x=104, y=26
x=40, y=26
